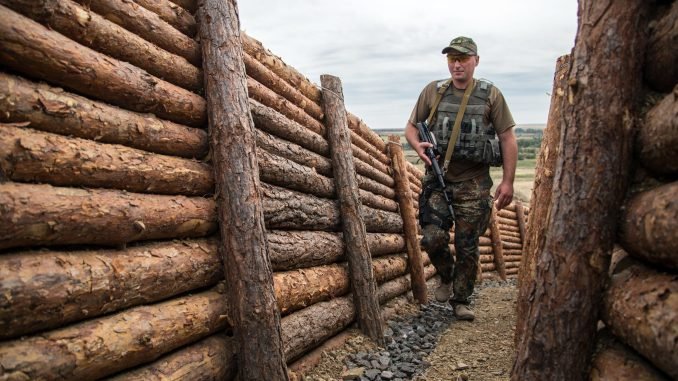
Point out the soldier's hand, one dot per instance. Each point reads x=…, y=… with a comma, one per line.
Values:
x=503, y=195
x=420, y=148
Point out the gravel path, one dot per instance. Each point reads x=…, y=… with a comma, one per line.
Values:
x=428, y=343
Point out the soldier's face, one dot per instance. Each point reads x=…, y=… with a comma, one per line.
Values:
x=462, y=67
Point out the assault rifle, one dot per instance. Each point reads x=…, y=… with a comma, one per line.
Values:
x=432, y=152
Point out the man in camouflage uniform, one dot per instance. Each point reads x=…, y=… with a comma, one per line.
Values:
x=485, y=137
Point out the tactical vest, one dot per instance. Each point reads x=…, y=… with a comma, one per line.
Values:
x=478, y=140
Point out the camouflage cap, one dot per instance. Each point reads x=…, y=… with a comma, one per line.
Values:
x=464, y=45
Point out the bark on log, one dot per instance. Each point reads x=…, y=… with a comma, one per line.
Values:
x=45, y=215
x=268, y=78
x=273, y=122
x=268, y=97
x=283, y=172
x=97, y=33
x=588, y=187
x=244, y=249
x=507, y=238
x=657, y=142
x=497, y=245
x=513, y=229
x=402, y=188
x=520, y=216
x=54, y=110
x=172, y=14
x=294, y=152
x=401, y=285
x=375, y=187
x=649, y=225
x=369, y=160
x=292, y=250
x=510, y=245
x=212, y=358
x=507, y=221
x=509, y=214
x=46, y=289
x=640, y=308
x=370, y=172
x=353, y=226
x=660, y=69
x=31, y=156
x=29, y=47
x=148, y=25
x=255, y=49
x=614, y=361
x=543, y=184
x=378, y=202
x=97, y=348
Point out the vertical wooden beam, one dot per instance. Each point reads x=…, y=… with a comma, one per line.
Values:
x=363, y=283
x=599, y=112
x=243, y=249
x=520, y=216
x=402, y=189
x=497, y=246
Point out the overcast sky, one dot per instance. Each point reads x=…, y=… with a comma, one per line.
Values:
x=385, y=52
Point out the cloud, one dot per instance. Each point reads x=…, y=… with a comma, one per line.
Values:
x=385, y=52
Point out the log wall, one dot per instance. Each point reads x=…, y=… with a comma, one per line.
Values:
x=107, y=190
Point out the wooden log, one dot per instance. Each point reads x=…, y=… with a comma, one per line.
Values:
x=660, y=72
x=268, y=97
x=30, y=48
x=298, y=249
x=172, y=14
x=283, y=172
x=520, y=216
x=370, y=172
x=97, y=348
x=51, y=109
x=512, y=229
x=401, y=285
x=511, y=245
x=656, y=143
x=614, y=361
x=497, y=246
x=507, y=221
x=45, y=215
x=511, y=264
x=588, y=187
x=512, y=271
x=244, y=249
x=649, y=224
x=487, y=267
x=375, y=187
x=212, y=358
x=287, y=209
x=510, y=237
x=148, y=25
x=376, y=201
x=255, y=49
x=273, y=122
x=268, y=78
x=46, y=289
x=543, y=184
x=370, y=149
x=402, y=188
x=31, y=156
x=509, y=214
x=97, y=33
x=297, y=289
x=357, y=252
x=639, y=307
x=294, y=152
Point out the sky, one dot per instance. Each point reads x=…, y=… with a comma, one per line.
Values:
x=385, y=52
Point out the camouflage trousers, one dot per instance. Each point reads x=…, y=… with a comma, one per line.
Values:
x=471, y=202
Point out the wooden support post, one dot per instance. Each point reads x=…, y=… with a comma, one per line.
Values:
x=497, y=246
x=357, y=252
x=562, y=302
x=243, y=246
x=402, y=188
x=520, y=216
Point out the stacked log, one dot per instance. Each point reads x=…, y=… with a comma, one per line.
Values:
x=126, y=209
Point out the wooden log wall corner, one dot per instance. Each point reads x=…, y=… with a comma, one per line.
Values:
x=403, y=194
x=243, y=248
x=589, y=185
x=363, y=283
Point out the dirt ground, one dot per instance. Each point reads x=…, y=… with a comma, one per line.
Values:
x=481, y=350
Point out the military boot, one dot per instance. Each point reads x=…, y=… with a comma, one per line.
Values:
x=463, y=312
x=443, y=292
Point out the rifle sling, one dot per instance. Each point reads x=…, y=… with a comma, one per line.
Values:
x=457, y=125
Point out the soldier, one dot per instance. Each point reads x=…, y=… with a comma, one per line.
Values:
x=472, y=115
